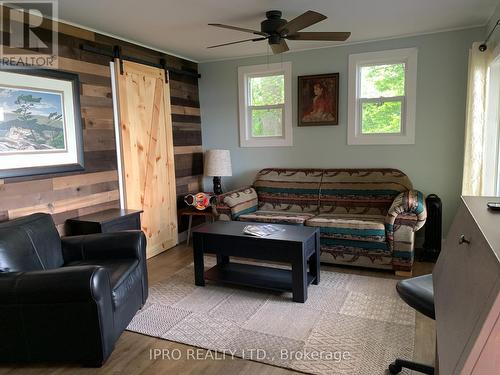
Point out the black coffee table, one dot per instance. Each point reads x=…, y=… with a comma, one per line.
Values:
x=296, y=245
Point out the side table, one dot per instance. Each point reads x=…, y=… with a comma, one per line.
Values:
x=208, y=214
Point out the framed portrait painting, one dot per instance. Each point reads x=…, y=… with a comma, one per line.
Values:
x=40, y=122
x=318, y=100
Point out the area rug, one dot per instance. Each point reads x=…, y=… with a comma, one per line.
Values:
x=350, y=324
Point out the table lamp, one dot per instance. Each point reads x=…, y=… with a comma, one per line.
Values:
x=217, y=164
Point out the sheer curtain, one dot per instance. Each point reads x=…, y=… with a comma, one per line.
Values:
x=475, y=123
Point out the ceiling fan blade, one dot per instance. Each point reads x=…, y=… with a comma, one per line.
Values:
x=238, y=29
x=279, y=48
x=239, y=41
x=333, y=36
x=301, y=22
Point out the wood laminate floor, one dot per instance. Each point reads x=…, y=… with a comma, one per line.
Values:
x=132, y=354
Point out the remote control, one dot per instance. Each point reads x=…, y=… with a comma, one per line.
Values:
x=494, y=206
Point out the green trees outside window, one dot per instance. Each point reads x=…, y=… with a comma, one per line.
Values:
x=267, y=101
x=382, y=98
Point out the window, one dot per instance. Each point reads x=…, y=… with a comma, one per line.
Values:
x=382, y=97
x=265, y=105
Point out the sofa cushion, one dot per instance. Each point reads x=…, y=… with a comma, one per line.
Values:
x=292, y=190
x=369, y=228
x=277, y=217
x=361, y=191
x=242, y=202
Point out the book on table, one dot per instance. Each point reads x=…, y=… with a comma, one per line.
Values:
x=261, y=230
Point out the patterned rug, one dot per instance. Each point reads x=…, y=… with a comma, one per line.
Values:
x=349, y=324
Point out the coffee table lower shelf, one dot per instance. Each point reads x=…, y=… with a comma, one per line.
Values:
x=276, y=279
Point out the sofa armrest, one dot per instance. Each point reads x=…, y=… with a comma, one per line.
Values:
x=408, y=208
x=407, y=212
x=56, y=286
x=222, y=209
x=406, y=215
x=118, y=245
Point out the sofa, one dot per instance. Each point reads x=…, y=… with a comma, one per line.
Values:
x=69, y=299
x=367, y=217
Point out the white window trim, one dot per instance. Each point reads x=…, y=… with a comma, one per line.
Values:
x=244, y=72
x=495, y=103
x=491, y=138
x=407, y=135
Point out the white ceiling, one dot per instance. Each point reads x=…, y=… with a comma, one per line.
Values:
x=180, y=26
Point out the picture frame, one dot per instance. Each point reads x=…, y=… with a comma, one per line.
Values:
x=40, y=122
x=318, y=100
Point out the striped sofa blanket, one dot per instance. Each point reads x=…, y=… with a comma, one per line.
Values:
x=367, y=217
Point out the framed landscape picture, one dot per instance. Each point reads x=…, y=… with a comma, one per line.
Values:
x=318, y=100
x=40, y=122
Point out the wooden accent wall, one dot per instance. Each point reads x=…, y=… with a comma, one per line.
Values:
x=96, y=189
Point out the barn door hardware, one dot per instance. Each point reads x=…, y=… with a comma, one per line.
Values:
x=163, y=64
x=116, y=52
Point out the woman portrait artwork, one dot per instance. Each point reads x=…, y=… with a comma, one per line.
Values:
x=318, y=100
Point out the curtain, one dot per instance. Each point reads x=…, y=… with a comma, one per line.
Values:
x=475, y=121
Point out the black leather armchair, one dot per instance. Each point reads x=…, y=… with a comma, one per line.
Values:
x=69, y=299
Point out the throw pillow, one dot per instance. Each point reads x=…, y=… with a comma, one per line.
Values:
x=242, y=202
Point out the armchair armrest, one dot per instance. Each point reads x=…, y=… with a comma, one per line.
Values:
x=56, y=286
x=126, y=244
x=223, y=210
x=59, y=313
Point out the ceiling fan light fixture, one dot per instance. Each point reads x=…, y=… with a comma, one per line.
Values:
x=274, y=39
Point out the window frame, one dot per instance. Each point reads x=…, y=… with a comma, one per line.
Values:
x=245, y=109
x=355, y=136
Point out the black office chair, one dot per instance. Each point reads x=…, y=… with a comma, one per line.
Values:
x=419, y=294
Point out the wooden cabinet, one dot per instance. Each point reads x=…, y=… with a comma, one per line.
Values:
x=466, y=286
x=113, y=220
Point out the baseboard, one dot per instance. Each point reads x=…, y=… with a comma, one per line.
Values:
x=182, y=237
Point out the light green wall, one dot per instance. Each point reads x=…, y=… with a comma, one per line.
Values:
x=434, y=162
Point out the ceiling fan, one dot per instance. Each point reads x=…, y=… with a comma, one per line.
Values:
x=275, y=30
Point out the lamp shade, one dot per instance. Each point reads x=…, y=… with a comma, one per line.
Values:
x=218, y=163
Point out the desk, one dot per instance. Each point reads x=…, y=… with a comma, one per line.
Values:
x=466, y=292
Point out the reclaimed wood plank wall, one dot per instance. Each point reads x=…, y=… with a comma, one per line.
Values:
x=96, y=188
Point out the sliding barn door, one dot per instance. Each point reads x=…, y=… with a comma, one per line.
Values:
x=147, y=151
